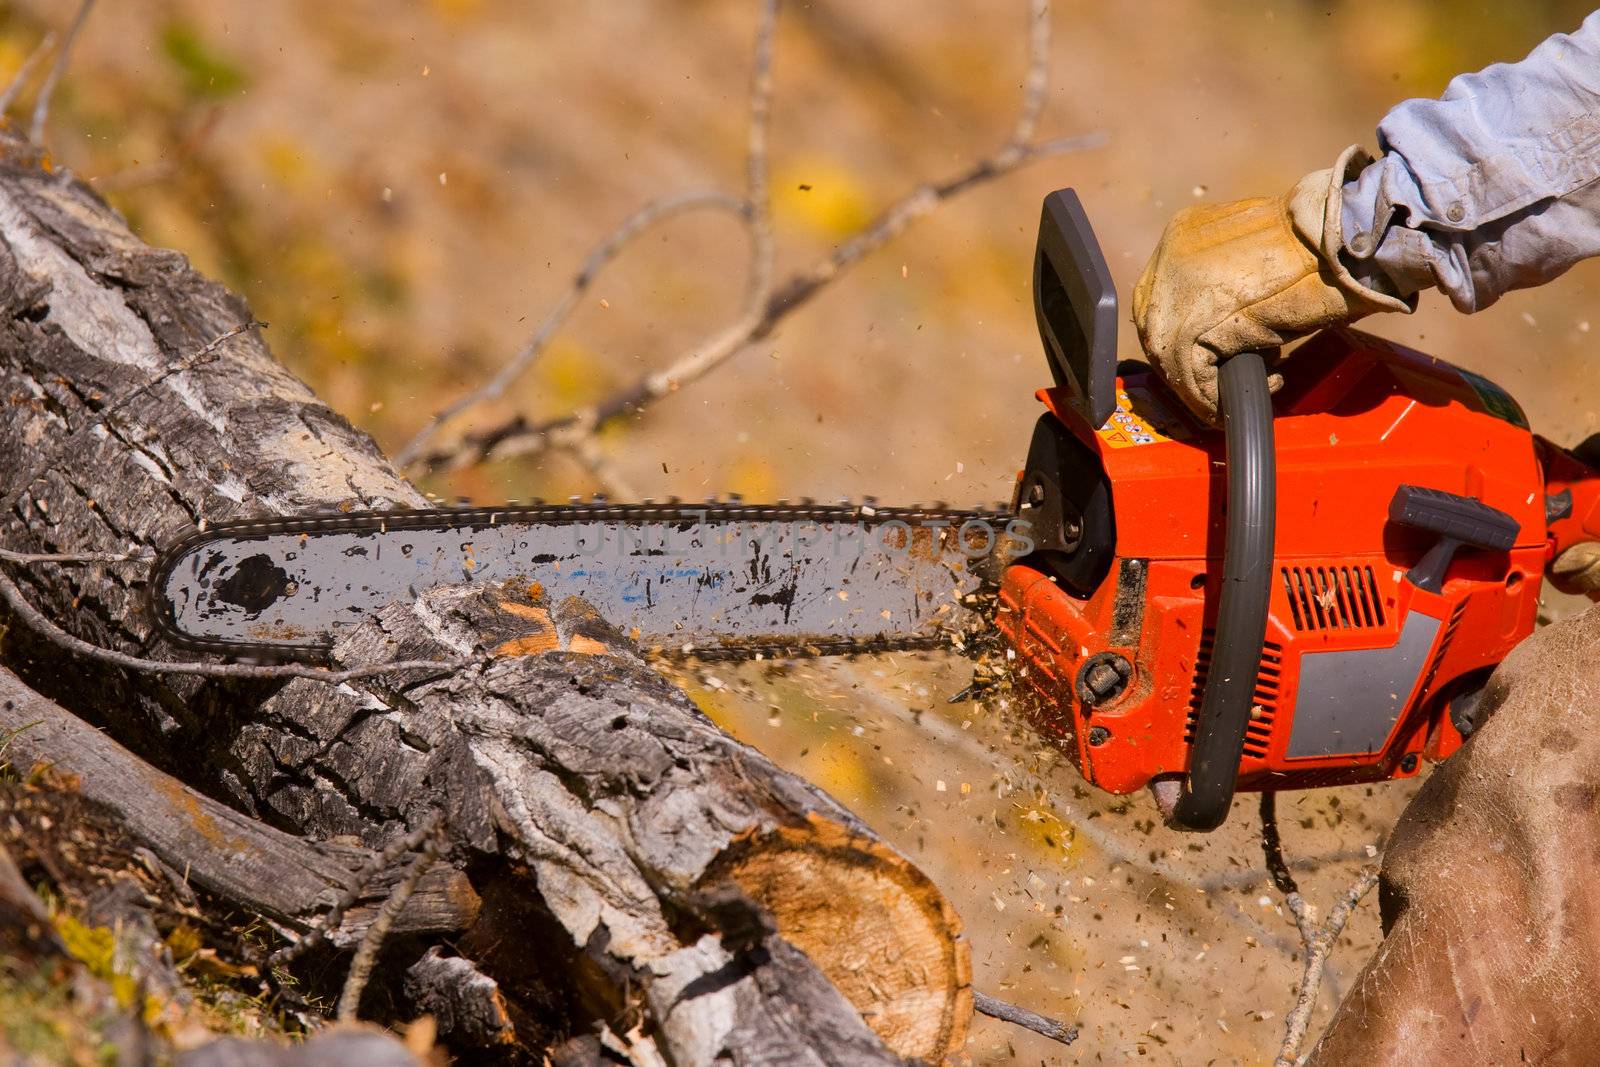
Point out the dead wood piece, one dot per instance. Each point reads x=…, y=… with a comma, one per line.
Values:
x=579, y=779
x=627, y=802
x=25, y=931
x=869, y=918
x=465, y=1003
x=222, y=851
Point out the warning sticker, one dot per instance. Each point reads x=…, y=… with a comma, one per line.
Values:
x=1141, y=419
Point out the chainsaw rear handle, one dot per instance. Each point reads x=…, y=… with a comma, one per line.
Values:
x=1241, y=626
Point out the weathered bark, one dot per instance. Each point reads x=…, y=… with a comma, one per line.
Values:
x=287, y=879
x=583, y=793
x=465, y=1003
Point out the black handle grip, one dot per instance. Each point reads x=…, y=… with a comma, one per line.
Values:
x=1241, y=630
x=1458, y=520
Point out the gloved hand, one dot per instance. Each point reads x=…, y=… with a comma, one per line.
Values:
x=1252, y=274
x=1577, y=570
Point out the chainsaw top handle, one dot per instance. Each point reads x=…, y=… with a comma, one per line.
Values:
x=1241, y=625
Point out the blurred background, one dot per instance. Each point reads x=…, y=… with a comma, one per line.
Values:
x=402, y=191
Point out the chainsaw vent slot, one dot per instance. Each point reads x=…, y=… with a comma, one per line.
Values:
x=1333, y=598
x=1258, y=733
x=1444, y=645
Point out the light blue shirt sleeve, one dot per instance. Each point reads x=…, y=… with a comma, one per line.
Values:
x=1489, y=188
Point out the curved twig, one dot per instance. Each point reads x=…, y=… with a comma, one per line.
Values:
x=19, y=80
x=1318, y=940
x=332, y=919
x=47, y=91
x=768, y=305
x=355, y=982
x=753, y=209
x=652, y=214
x=996, y=1008
x=36, y=621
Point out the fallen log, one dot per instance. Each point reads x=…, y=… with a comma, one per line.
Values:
x=611, y=829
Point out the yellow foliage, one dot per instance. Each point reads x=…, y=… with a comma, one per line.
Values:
x=12, y=54
x=457, y=9
x=285, y=161
x=753, y=477
x=571, y=375
x=842, y=771
x=1039, y=825
x=96, y=948
x=184, y=941
x=820, y=196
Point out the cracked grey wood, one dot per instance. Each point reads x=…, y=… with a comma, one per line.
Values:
x=580, y=786
x=287, y=879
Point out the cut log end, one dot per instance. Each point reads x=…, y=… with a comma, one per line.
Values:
x=875, y=925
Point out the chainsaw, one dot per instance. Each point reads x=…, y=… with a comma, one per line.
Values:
x=1313, y=595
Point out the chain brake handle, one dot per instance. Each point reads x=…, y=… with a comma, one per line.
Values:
x=1241, y=626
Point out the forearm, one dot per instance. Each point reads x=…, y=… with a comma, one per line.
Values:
x=1489, y=188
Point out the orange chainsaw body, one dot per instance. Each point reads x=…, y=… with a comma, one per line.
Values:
x=1362, y=666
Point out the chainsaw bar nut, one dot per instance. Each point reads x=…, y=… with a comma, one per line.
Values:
x=1103, y=677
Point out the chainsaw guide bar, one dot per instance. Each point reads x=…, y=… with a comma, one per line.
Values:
x=713, y=580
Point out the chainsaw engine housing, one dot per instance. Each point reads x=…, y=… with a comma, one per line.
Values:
x=1377, y=626
x=1406, y=520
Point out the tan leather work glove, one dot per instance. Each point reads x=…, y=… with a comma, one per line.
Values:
x=1577, y=570
x=1252, y=274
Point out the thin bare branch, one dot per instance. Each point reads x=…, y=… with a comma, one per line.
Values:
x=754, y=210
x=31, y=617
x=41, y=106
x=586, y=450
x=517, y=436
x=652, y=214
x=755, y=186
x=367, y=955
x=24, y=73
x=31, y=558
x=1037, y=80
x=333, y=918
x=1318, y=940
x=996, y=1008
x=149, y=173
